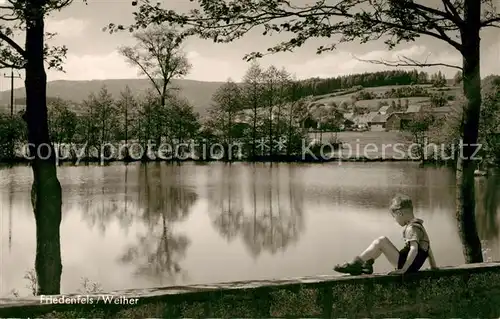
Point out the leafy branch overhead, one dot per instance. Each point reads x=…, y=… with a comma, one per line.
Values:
x=13, y=17
x=394, y=21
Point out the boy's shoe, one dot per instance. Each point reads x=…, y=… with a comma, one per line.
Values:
x=368, y=267
x=356, y=267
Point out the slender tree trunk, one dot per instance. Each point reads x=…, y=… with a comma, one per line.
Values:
x=103, y=132
x=127, y=152
x=46, y=190
x=465, y=200
x=159, y=135
x=280, y=99
x=148, y=135
x=254, y=129
x=278, y=135
x=271, y=92
x=88, y=132
x=230, y=138
x=290, y=115
x=292, y=106
x=126, y=122
x=161, y=113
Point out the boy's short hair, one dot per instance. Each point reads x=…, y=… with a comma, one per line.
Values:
x=401, y=201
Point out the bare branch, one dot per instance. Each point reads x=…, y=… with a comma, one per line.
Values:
x=8, y=16
x=61, y=4
x=432, y=22
x=490, y=15
x=450, y=8
x=4, y=65
x=446, y=14
x=128, y=53
x=364, y=20
x=159, y=56
x=404, y=61
x=491, y=22
x=13, y=44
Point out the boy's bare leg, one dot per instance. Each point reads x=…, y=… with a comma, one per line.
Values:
x=381, y=245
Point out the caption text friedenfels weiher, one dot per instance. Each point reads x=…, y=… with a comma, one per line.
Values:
x=89, y=299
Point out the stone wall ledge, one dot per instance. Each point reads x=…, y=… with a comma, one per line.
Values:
x=32, y=306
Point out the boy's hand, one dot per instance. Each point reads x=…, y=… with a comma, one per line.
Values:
x=396, y=272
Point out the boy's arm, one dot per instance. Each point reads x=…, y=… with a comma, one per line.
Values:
x=432, y=261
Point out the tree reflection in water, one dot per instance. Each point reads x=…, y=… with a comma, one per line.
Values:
x=229, y=220
x=263, y=205
x=106, y=197
x=165, y=201
x=487, y=215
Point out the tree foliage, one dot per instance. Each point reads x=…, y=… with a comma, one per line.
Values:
x=438, y=79
x=228, y=100
x=457, y=78
x=13, y=14
x=345, y=20
x=185, y=121
x=418, y=128
x=490, y=120
x=127, y=107
x=355, y=82
x=447, y=131
x=62, y=121
x=12, y=131
x=266, y=108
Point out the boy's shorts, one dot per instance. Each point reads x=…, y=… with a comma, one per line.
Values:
x=417, y=263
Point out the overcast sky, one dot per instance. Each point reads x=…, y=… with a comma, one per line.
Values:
x=92, y=53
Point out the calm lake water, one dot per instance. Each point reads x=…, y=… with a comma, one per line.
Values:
x=135, y=226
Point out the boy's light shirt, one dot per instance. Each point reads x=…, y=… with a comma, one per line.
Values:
x=412, y=232
x=417, y=237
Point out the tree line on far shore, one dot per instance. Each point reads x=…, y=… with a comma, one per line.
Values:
x=268, y=106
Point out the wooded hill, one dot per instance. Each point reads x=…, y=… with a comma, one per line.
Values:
x=199, y=93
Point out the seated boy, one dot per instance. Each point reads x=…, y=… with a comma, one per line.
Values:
x=410, y=258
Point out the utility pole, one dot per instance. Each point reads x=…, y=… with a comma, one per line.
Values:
x=12, y=77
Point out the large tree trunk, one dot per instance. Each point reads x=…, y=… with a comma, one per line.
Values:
x=465, y=200
x=46, y=189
